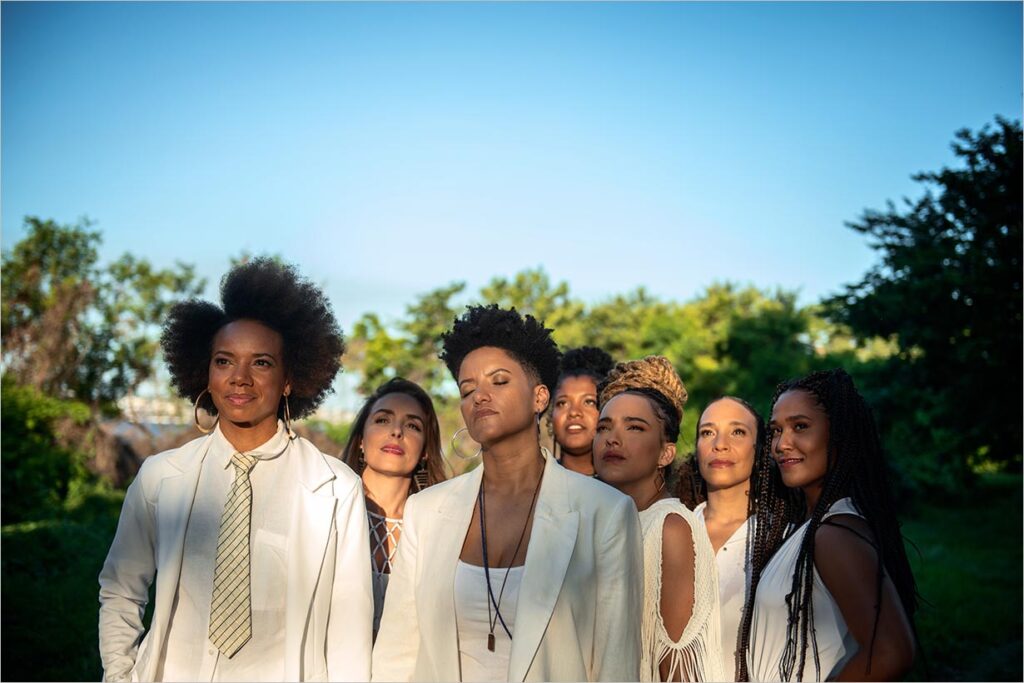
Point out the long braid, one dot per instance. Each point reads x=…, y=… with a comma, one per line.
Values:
x=856, y=469
x=775, y=507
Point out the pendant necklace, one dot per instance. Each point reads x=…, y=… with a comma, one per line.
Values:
x=492, y=621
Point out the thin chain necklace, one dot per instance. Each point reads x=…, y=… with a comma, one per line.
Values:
x=492, y=621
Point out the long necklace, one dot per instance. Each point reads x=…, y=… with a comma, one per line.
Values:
x=492, y=621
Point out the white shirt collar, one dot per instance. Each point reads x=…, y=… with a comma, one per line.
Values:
x=222, y=449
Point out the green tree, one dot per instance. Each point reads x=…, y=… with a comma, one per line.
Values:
x=948, y=291
x=74, y=329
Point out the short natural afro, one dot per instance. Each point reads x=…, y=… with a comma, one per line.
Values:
x=522, y=337
x=586, y=361
x=274, y=295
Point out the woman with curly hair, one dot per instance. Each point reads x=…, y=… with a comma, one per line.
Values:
x=574, y=407
x=840, y=585
x=641, y=409
x=519, y=570
x=718, y=484
x=257, y=540
x=395, y=447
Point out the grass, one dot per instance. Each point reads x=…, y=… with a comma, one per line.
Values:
x=968, y=569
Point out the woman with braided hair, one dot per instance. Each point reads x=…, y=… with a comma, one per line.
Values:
x=838, y=595
x=641, y=409
x=574, y=407
x=519, y=570
x=719, y=484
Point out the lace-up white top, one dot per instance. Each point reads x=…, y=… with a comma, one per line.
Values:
x=384, y=535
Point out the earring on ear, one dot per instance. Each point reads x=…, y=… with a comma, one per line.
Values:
x=195, y=414
x=419, y=476
x=288, y=419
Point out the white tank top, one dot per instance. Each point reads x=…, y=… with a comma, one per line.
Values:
x=476, y=661
x=836, y=645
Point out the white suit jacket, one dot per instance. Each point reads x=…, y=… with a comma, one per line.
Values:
x=579, y=609
x=329, y=604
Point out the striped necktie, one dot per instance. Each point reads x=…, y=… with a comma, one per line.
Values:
x=231, y=609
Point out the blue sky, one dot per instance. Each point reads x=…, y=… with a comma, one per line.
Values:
x=390, y=148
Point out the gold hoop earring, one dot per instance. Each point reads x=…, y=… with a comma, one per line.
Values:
x=455, y=449
x=288, y=419
x=195, y=415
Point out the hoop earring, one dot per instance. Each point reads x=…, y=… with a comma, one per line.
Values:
x=455, y=449
x=195, y=415
x=288, y=419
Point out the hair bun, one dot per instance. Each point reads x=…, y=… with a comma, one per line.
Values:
x=652, y=372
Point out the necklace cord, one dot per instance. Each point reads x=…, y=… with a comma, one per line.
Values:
x=487, y=571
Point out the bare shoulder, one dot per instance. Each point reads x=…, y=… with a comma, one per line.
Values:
x=844, y=550
x=676, y=537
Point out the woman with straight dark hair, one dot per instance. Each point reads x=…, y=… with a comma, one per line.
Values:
x=837, y=596
x=395, y=447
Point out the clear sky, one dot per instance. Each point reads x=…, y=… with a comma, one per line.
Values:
x=390, y=148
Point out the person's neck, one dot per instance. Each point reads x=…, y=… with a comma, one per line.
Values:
x=513, y=465
x=812, y=494
x=385, y=494
x=579, y=462
x=245, y=437
x=644, y=492
x=728, y=505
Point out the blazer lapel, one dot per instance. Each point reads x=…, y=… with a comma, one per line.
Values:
x=552, y=541
x=440, y=549
x=177, y=495
x=312, y=518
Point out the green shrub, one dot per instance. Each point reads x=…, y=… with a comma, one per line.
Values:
x=39, y=465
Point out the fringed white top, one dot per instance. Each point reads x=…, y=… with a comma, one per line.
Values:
x=697, y=655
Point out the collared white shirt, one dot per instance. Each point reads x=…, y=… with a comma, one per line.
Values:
x=189, y=655
x=733, y=582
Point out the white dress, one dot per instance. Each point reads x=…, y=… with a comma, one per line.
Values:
x=697, y=655
x=733, y=583
x=836, y=645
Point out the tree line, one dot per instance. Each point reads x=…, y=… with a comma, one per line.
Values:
x=932, y=333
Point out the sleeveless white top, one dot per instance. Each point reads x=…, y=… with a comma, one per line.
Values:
x=697, y=655
x=477, y=663
x=836, y=645
x=733, y=584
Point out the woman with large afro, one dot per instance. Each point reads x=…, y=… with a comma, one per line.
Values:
x=258, y=541
x=519, y=570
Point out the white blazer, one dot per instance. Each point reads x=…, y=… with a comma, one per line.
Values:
x=329, y=604
x=579, y=609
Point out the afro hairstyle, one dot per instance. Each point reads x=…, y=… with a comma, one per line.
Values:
x=275, y=295
x=522, y=337
x=586, y=361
